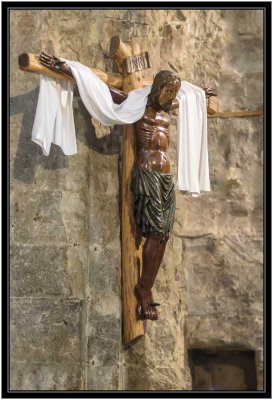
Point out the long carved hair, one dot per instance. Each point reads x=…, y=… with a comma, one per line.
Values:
x=160, y=80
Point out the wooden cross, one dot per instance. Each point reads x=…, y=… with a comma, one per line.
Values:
x=130, y=62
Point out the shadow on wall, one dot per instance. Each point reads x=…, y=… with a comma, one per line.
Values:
x=223, y=369
x=29, y=155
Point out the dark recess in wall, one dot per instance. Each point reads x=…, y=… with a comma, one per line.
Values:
x=223, y=369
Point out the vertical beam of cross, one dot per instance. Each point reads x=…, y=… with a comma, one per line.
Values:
x=131, y=249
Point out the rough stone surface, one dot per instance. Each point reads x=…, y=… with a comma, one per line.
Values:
x=46, y=376
x=65, y=211
x=45, y=329
x=39, y=271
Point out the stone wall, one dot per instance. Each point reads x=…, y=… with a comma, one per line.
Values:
x=65, y=227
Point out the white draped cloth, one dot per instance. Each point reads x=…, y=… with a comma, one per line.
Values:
x=54, y=120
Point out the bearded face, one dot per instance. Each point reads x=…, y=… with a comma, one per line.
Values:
x=166, y=95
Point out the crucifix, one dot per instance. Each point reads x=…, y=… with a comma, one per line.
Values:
x=148, y=202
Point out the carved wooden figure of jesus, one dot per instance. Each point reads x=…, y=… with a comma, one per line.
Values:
x=152, y=183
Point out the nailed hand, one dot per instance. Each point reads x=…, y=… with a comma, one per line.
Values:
x=51, y=62
x=210, y=91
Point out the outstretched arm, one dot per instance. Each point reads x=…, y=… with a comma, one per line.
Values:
x=117, y=95
x=57, y=65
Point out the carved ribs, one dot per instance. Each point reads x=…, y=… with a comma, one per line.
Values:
x=144, y=135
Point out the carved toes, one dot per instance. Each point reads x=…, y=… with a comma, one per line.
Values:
x=149, y=313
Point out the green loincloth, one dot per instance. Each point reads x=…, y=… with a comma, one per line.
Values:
x=154, y=201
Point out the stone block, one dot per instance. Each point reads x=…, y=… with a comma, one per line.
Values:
x=158, y=378
x=104, y=174
x=46, y=330
x=31, y=170
x=77, y=174
x=104, y=232
x=108, y=305
x=22, y=111
x=74, y=212
x=196, y=216
x=102, y=378
x=104, y=269
x=77, y=265
x=217, y=278
x=23, y=169
x=36, y=218
x=104, y=337
x=224, y=332
x=46, y=376
x=39, y=271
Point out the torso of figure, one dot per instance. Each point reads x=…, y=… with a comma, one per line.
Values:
x=152, y=140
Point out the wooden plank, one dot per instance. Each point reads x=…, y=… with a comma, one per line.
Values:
x=212, y=104
x=131, y=249
x=131, y=245
x=232, y=114
x=29, y=62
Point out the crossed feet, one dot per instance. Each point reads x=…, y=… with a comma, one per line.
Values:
x=146, y=307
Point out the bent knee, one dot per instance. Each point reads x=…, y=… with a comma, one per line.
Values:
x=164, y=238
x=159, y=238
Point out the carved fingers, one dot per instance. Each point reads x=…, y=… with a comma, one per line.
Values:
x=50, y=61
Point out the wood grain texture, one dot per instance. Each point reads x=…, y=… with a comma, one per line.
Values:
x=212, y=105
x=234, y=114
x=131, y=245
x=131, y=250
x=29, y=62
